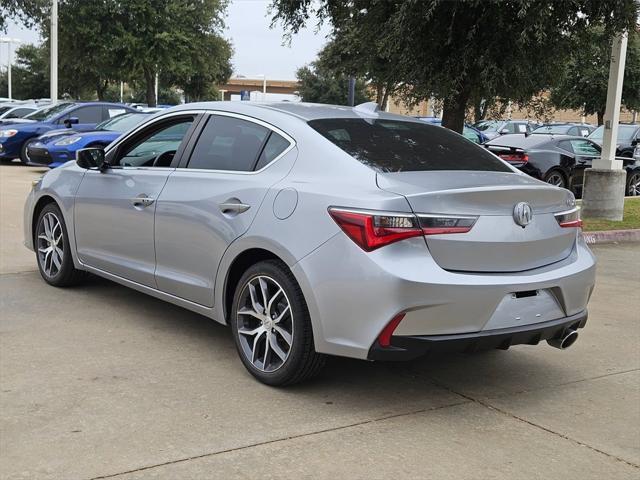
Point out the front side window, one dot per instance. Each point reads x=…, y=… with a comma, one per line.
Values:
x=400, y=146
x=92, y=114
x=228, y=143
x=155, y=146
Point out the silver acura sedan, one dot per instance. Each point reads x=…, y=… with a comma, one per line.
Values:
x=315, y=229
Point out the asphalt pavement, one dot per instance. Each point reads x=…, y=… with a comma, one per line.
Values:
x=100, y=381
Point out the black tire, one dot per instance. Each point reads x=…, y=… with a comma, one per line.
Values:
x=302, y=361
x=633, y=184
x=66, y=274
x=557, y=178
x=24, y=158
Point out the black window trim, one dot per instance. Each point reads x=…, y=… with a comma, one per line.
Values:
x=114, y=148
x=186, y=156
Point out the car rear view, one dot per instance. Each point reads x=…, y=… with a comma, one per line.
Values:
x=483, y=256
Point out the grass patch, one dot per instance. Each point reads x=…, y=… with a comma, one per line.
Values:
x=631, y=219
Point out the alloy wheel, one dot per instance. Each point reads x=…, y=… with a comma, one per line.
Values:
x=634, y=185
x=50, y=244
x=556, y=180
x=265, y=323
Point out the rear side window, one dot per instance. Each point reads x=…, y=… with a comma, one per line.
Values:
x=274, y=147
x=228, y=143
x=399, y=146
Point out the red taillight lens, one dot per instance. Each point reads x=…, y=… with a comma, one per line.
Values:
x=569, y=219
x=384, y=339
x=372, y=230
x=515, y=159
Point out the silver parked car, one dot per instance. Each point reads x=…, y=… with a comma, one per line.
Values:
x=315, y=229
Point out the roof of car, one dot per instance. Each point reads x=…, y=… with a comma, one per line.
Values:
x=301, y=110
x=519, y=140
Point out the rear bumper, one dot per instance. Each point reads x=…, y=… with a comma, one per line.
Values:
x=409, y=347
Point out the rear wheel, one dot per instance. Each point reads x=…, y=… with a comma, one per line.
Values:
x=556, y=178
x=633, y=184
x=272, y=327
x=53, y=252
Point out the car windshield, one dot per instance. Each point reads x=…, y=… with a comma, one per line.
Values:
x=47, y=113
x=551, y=129
x=122, y=123
x=399, y=146
x=4, y=109
x=625, y=133
x=489, y=125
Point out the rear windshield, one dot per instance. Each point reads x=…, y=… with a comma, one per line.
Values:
x=399, y=146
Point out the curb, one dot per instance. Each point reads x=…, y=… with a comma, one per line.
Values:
x=612, y=236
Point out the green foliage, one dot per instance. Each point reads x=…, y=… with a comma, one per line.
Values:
x=30, y=72
x=461, y=51
x=320, y=84
x=583, y=84
x=26, y=11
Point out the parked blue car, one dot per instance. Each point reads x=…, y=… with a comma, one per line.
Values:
x=469, y=132
x=57, y=147
x=82, y=116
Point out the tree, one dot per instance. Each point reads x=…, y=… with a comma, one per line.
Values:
x=583, y=85
x=25, y=11
x=461, y=51
x=320, y=84
x=166, y=36
x=31, y=72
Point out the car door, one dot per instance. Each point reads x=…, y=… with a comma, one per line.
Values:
x=115, y=208
x=585, y=152
x=212, y=200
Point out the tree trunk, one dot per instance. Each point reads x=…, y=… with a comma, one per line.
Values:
x=385, y=98
x=379, y=94
x=600, y=118
x=454, y=110
x=101, y=89
x=150, y=80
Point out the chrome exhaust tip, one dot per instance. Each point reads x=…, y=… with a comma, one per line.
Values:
x=563, y=342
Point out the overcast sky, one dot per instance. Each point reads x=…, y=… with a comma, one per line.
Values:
x=258, y=49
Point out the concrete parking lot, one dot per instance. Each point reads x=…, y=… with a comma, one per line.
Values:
x=103, y=382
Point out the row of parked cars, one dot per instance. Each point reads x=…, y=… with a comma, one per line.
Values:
x=555, y=153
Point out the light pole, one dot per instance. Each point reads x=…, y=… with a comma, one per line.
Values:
x=605, y=183
x=9, y=41
x=264, y=85
x=54, y=52
x=222, y=92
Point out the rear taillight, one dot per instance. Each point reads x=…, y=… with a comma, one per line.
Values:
x=570, y=218
x=443, y=224
x=515, y=159
x=371, y=229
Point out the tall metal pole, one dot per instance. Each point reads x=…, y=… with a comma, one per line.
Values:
x=9, y=69
x=156, y=88
x=121, y=91
x=351, y=100
x=54, y=52
x=605, y=183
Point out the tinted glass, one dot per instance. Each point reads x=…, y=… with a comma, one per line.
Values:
x=625, y=133
x=122, y=123
x=92, y=114
x=471, y=134
x=157, y=147
x=20, y=112
x=228, y=143
x=47, y=113
x=488, y=125
x=551, y=129
x=398, y=146
x=583, y=147
x=4, y=109
x=274, y=147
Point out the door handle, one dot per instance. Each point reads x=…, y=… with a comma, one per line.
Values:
x=230, y=207
x=142, y=201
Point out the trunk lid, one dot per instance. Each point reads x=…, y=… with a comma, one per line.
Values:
x=496, y=243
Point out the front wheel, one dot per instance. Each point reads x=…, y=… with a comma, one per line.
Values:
x=53, y=252
x=272, y=327
x=24, y=154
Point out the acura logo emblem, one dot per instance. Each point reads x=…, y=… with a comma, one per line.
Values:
x=522, y=214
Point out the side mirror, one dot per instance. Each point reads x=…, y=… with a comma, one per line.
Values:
x=635, y=142
x=71, y=121
x=90, y=158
